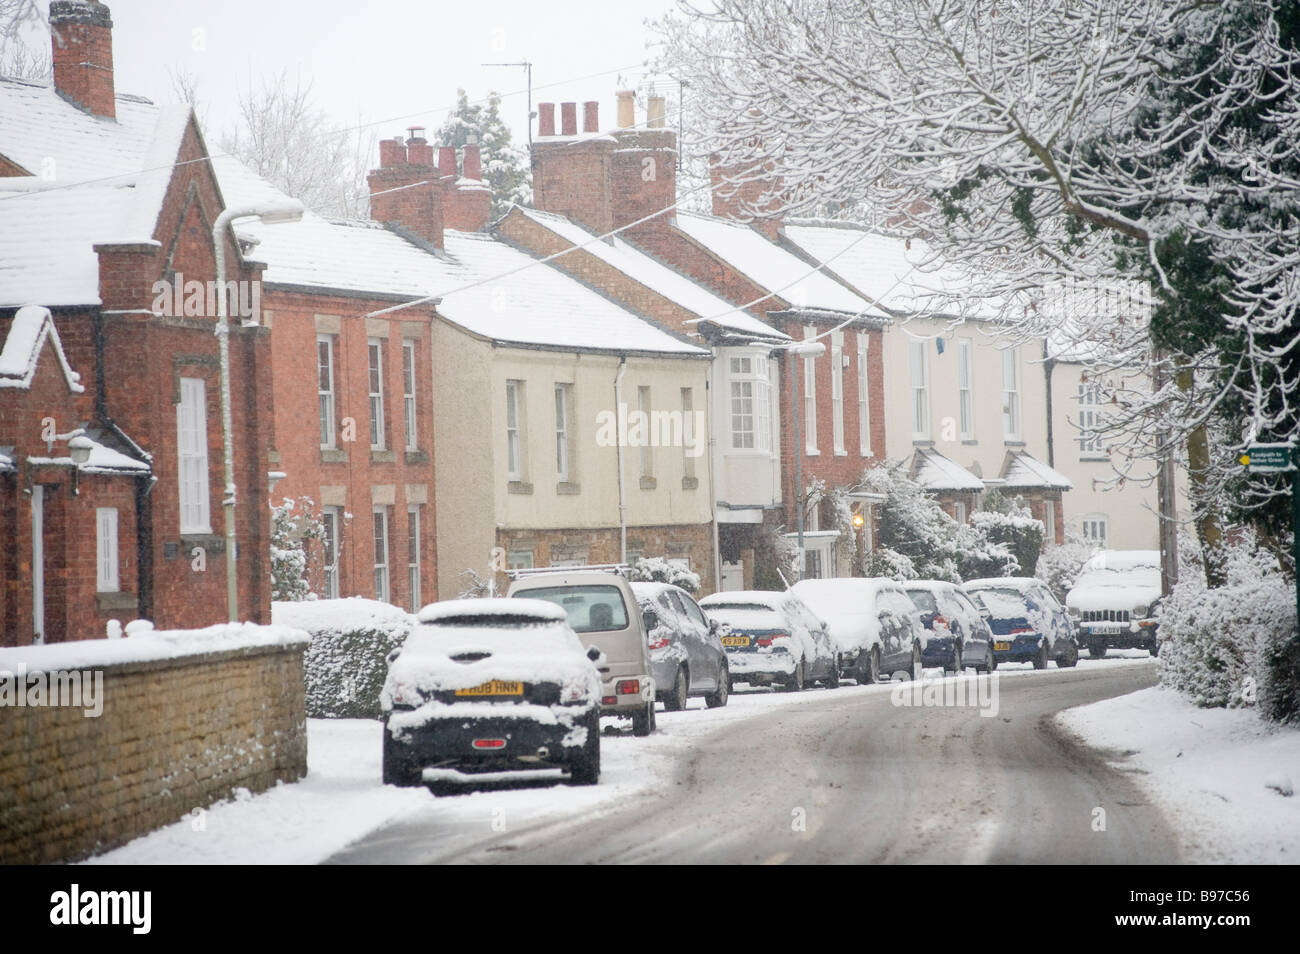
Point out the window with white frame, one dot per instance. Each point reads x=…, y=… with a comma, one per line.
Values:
x=519, y=560
x=809, y=399
x=375, y=371
x=325, y=388
x=750, y=403
x=408, y=394
x=563, y=448
x=413, y=555
x=381, y=553
x=1094, y=527
x=965, y=392
x=332, y=519
x=1090, y=419
x=688, y=432
x=864, y=398
x=920, y=391
x=1049, y=521
x=837, y=391
x=106, y=578
x=192, y=453
x=514, y=430
x=959, y=512
x=1011, y=394
x=647, y=452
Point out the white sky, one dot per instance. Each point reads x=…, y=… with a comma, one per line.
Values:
x=383, y=59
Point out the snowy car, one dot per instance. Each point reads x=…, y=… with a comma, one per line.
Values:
x=490, y=686
x=686, y=654
x=1028, y=624
x=773, y=639
x=875, y=628
x=959, y=634
x=1115, y=600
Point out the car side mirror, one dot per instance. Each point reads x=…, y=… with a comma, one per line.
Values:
x=594, y=654
x=650, y=620
x=392, y=656
x=713, y=627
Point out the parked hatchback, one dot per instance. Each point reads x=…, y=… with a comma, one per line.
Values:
x=491, y=685
x=772, y=638
x=870, y=621
x=687, y=658
x=959, y=634
x=1028, y=624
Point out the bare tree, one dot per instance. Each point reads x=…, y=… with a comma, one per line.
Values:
x=21, y=20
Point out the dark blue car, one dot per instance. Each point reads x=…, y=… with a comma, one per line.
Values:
x=1028, y=624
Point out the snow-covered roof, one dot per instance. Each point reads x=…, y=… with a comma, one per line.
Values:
x=656, y=276
x=772, y=267
x=8, y=462
x=91, y=180
x=108, y=455
x=1024, y=472
x=31, y=328
x=905, y=276
x=482, y=284
x=1123, y=560
x=933, y=471
x=496, y=608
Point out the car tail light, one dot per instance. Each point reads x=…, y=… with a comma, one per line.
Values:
x=659, y=643
x=628, y=687
x=1017, y=630
x=489, y=743
x=764, y=641
x=609, y=700
x=940, y=622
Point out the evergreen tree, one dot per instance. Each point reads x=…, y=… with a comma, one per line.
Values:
x=505, y=166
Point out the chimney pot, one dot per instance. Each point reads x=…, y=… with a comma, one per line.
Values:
x=626, y=108
x=419, y=152
x=447, y=161
x=655, y=112
x=545, y=119
x=591, y=116
x=568, y=119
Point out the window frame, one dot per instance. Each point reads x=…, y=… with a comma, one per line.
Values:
x=107, y=557
x=379, y=514
x=563, y=439
x=409, y=391
x=413, y=562
x=332, y=522
x=195, y=505
x=327, y=397
x=864, y=396
x=919, y=390
x=515, y=430
x=965, y=390
x=375, y=393
x=1012, y=417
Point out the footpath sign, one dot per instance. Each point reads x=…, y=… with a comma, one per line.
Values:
x=1267, y=459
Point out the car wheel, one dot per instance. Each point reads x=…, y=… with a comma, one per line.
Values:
x=1070, y=659
x=795, y=682
x=954, y=664
x=871, y=671
x=643, y=722
x=832, y=681
x=676, y=700
x=993, y=659
x=1040, y=660
x=586, y=764
x=718, y=697
x=397, y=770
x=1155, y=649
x=1097, y=652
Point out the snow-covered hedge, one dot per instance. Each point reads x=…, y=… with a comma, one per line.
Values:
x=1059, y=565
x=348, y=657
x=659, y=570
x=1236, y=644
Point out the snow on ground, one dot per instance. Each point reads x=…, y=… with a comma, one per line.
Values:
x=1215, y=773
x=342, y=799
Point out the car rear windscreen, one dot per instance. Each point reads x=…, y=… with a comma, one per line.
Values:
x=923, y=600
x=594, y=608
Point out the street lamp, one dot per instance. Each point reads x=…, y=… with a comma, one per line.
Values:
x=271, y=213
x=800, y=349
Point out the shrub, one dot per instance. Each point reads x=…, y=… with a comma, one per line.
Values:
x=1059, y=565
x=659, y=570
x=297, y=533
x=347, y=661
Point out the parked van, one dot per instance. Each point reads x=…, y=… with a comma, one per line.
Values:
x=603, y=611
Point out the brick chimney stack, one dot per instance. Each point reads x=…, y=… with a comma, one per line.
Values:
x=82, y=39
x=626, y=108
x=405, y=189
x=467, y=200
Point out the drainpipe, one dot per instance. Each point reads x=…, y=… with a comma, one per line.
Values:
x=713, y=493
x=620, y=419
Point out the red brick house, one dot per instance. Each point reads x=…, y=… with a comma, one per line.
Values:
x=103, y=195
x=603, y=180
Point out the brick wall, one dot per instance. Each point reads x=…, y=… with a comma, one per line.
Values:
x=174, y=735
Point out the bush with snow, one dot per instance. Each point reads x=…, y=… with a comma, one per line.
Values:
x=915, y=538
x=659, y=570
x=347, y=660
x=1059, y=565
x=296, y=529
x=1002, y=539
x=1235, y=644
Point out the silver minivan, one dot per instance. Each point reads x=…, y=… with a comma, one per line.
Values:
x=603, y=611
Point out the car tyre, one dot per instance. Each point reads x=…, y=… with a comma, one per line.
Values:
x=676, y=700
x=832, y=681
x=718, y=697
x=1155, y=649
x=954, y=664
x=1040, y=660
x=795, y=682
x=586, y=764
x=1097, y=652
x=1070, y=659
x=397, y=770
x=643, y=722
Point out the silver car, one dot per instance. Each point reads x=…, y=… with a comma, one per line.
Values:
x=686, y=654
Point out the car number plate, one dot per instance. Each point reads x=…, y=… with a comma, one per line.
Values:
x=494, y=688
x=1001, y=647
x=1107, y=629
x=735, y=640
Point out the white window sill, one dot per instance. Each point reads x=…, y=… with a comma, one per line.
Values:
x=814, y=452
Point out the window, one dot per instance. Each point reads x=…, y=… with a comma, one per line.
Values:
x=408, y=394
x=812, y=564
x=920, y=393
x=864, y=399
x=192, y=447
x=688, y=432
x=519, y=560
x=331, y=517
x=514, y=430
x=965, y=398
x=1049, y=521
x=647, y=453
x=381, y=554
x=751, y=402
x=1090, y=419
x=809, y=399
x=325, y=388
x=106, y=550
x=837, y=391
x=375, y=365
x=413, y=555
x=1094, y=529
x=1011, y=393
x=959, y=511
x=562, y=432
